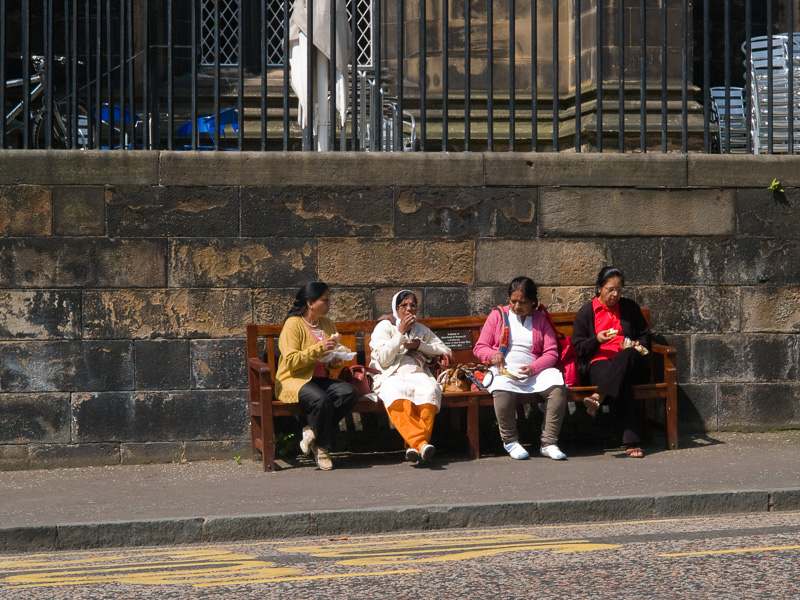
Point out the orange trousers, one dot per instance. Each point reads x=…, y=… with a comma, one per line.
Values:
x=414, y=422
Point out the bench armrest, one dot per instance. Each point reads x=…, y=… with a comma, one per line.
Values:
x=258, y=365
x=662, y=349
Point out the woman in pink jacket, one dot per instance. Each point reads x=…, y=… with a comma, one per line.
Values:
x=522, y=347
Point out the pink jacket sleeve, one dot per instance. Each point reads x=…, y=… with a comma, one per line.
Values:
x=488, y=343
x=545, y=344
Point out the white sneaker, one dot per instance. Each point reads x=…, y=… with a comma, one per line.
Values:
x=307, y=443
x=552, y=451
x=427, y=452
x=516, y=450
x=412, y=456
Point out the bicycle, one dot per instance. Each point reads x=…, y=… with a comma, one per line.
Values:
x=61, y=128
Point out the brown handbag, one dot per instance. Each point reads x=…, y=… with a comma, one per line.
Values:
x=454, y=379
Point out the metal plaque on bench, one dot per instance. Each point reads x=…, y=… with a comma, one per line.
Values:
x=456, y=339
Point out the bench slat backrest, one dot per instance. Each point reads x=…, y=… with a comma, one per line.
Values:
x=460, y=333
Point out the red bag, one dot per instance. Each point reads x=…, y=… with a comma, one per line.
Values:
x=360, y=377
x=567, y=357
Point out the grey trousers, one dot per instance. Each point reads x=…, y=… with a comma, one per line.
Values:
x=505, y=409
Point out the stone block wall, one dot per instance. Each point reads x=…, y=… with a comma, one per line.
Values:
x=127, y=278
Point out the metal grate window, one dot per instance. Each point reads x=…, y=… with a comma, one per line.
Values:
x=275, y=12
x=228, y=25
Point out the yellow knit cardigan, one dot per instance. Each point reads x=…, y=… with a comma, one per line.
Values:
x=299, y=354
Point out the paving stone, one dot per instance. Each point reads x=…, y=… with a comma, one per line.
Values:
x=179, y=313
x=87, y=167
x=770, y=309
x=54, y=456
x=81, y=263
x=545, y=168
x=159, y=416
x=159, y=211
x=287, y=525
x=638, y=258
x=242, y=262
x=218, y=364
x=66, y=366
x=744, y=357
x=305, y=211
x=25, y=210
x=28, y=539
x=351, y=522
x=39, y=418
x=698, y=408
x=132, y=453
x=162, y=364
x=79, y=210
x=397, y=262
x=714, y=503
x=562, y=298
x=358, y=169
x=762, y=212
x=223, y=450
x=596, y=509
x=687, y=309
x=40, y=314
x=743, y=171
x=131, y=533
x=484, y=515
x=641, y=212
x=561, y=262
x=460, y=212
x=14, y=457
x=730, y=261
x=785, y=500
x=457, y=302
x=759, y=407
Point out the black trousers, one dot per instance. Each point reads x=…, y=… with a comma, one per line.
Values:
x=327, y=401
x=615, y=379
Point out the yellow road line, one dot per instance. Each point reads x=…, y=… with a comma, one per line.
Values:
x=732, y=551
x=309, y=577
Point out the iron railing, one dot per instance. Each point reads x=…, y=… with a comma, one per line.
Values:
x=426, y=75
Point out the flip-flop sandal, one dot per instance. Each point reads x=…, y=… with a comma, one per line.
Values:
x=592, y=404
x=634, y=452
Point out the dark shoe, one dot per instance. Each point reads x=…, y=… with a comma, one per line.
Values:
x=412, y=456
x=428, y=451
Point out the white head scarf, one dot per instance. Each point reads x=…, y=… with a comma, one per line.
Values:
x=397, y=319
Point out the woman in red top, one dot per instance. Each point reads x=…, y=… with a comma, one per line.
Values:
x=598, y=334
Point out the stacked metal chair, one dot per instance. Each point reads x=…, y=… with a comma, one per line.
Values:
x=378, y=109
x=729, y=133
x=770, y=57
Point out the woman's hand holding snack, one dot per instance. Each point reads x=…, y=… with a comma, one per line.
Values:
x=607, y=335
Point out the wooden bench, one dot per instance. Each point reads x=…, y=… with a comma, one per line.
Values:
x=460, y=334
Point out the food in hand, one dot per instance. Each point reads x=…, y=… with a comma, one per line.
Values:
x=612, y=332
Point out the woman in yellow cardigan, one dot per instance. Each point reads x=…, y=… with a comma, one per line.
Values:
x=308, y=336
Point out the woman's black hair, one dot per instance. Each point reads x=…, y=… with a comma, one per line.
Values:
x=526, y=286
x=402, y=296
x=310, y=292
x=604, y=275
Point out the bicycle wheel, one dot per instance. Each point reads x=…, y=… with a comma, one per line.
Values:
x=62, y=135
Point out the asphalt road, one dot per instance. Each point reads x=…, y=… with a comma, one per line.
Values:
x=737, y=557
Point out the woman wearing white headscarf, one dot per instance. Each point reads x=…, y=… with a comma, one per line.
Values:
x=400, y=351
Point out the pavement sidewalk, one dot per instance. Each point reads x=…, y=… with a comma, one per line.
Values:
x=371, y=493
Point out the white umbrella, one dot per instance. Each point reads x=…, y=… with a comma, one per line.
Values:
x=298, y=60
